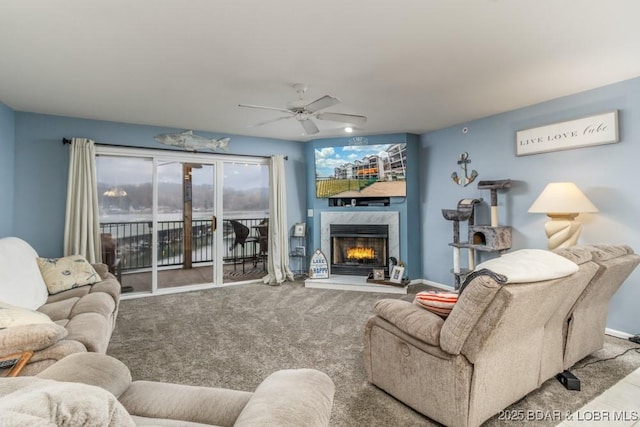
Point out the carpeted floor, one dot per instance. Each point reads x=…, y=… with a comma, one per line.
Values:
x=234, y=337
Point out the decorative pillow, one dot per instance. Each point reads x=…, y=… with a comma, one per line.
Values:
x=15, y=316
x=440, y=303
x=62, y=274
x=36, y=337
x=530, y=265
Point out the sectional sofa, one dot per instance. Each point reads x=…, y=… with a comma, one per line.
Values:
x=97, y=390
x=70, y=381
x=53, y=307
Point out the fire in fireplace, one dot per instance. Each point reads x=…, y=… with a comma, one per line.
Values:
x=356, y=249
x=361, y=253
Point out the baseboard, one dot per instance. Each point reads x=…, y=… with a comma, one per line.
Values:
x=618, y=334
x=437, y=285
x=188, y=288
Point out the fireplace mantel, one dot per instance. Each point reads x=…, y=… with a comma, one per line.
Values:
x=392, y=219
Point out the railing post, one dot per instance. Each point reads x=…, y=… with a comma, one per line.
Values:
x=187, y=215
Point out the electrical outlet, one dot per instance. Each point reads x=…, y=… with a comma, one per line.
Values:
x=635, y=339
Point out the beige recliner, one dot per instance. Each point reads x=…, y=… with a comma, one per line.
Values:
x=500, y=342
x=586, y=323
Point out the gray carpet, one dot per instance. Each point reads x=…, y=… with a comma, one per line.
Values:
x=234, y=337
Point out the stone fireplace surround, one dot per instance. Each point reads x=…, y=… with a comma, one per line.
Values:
x=358, y=283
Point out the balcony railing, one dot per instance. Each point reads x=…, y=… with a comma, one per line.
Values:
x=134, y=242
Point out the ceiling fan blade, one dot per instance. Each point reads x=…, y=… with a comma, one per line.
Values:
x=269, y=121
x=310, y=128
x=342, y=118
x=284, y=110
x=322, y=103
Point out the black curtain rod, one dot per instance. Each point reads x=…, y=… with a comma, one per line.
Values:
x=68, y=141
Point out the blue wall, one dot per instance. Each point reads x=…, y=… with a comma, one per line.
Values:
x=607, y=174
x=408, y=208
x=41, y=166
x=7, y=170
x=33, y=169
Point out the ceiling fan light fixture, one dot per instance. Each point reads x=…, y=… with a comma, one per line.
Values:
x=305, y=113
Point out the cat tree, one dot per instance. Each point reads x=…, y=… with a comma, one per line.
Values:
x=486, y=238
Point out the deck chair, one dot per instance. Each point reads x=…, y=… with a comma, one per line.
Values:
x=242, y=238
x=109, y=255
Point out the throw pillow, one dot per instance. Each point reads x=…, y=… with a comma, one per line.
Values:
x=440, y=303
x=37, y=337
x=530, y=265
x=62, y=274
x=15, y=316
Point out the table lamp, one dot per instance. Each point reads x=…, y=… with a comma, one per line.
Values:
x=562, y=202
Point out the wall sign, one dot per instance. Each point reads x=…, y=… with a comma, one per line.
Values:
x=318, y=267
x=593, y=130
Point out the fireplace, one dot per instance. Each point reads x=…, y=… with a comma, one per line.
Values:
x=356, y=249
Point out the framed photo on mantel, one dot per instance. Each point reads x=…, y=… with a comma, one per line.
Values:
x=396, y=274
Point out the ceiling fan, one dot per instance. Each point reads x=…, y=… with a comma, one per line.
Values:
x=303, y=112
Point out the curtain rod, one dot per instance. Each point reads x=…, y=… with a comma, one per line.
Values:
x=68, y=141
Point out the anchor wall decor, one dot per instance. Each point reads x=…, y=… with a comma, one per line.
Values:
x=463, y=161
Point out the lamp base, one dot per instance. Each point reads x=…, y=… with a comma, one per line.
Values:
x=562, y=230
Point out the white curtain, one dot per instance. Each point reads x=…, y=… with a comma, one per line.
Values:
x=82, y=222
x=278, y=259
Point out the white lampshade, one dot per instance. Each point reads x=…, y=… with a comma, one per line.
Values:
x=562, y=198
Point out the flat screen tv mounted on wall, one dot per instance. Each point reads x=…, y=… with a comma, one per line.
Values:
x=361, y=171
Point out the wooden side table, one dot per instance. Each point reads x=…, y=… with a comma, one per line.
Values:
x=23, y=358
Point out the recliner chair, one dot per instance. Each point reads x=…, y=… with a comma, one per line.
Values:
x=494, y=348
x=586, y=323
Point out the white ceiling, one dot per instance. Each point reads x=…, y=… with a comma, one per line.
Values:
x=408, y=65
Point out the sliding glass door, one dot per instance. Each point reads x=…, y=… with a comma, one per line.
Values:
x=179, y=221
x=246, y=219
x=185, y=223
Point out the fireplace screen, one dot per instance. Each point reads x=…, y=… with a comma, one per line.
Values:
x=357, y=249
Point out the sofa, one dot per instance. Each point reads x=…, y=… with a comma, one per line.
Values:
x=585, y=325
x=53, y=307
x=93, y=389
x=503, y=338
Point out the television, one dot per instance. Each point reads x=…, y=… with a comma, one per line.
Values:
x=361, y=171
